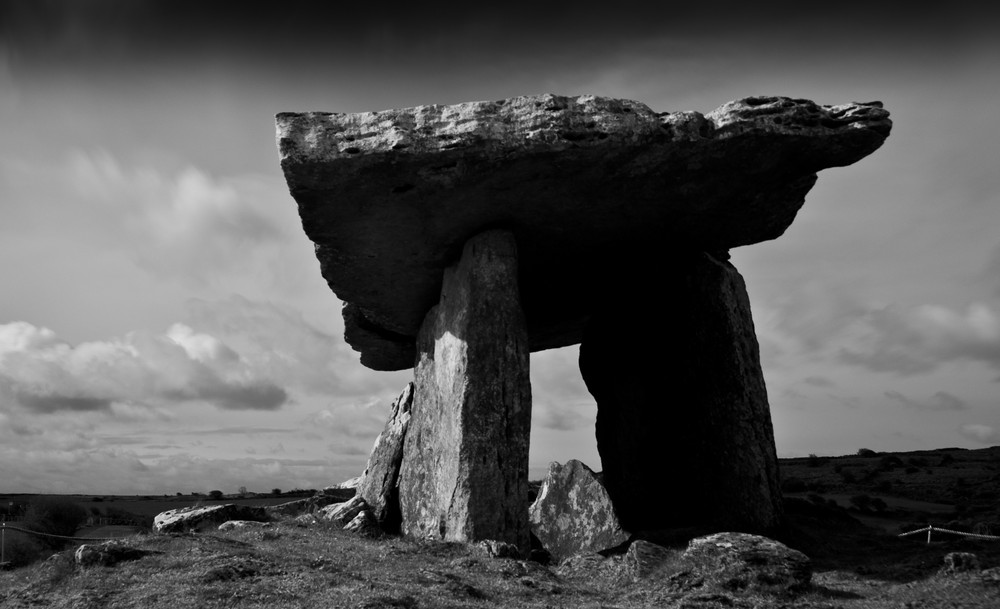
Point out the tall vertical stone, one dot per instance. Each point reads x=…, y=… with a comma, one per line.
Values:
x=465, y=458
x=683, y=425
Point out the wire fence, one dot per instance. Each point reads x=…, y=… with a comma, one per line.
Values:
x=930, y=529
x=4, y=527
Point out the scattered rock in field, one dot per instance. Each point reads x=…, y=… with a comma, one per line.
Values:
x=200, y=518
x=106, y=554
x=308, y=505
x=305, y=520
x=343, y=513
x=591, y=565
x=644, y=558
x=573, y=513
x=378, y=485
x=740, y=561
x=498, y=549
x=364, y=524
x=991, y=576
x=960, y=562
x=351, y=483
x=243, y=524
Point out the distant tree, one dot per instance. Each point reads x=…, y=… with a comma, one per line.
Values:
x=276, y=492
x=867, y=452
x=814, y=461
x=180, y=494
x=215, y=494
x=243, y=491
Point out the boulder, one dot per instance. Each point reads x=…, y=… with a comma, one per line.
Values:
x=643, y=558
x=364, y=524
x=106, y=554
x=573, y=513
x=683, y=426
x=351, y=483
x=740, y=561
x=200, y=518
x=960, y=562
x=464, y=475
x=306, y=506
x=497, y=549
x=584, y=183
x=343, y=513
x=379, y=484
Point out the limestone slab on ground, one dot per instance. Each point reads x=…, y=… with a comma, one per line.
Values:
x=584, y=183
x=740, y=561
x=203, y=517
x=573, y=513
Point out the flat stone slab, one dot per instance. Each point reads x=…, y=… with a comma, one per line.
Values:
x=584, y=183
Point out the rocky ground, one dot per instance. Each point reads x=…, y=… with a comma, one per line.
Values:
x=288, y=565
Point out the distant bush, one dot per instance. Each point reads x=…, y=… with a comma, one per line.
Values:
x=814, y=461
x=276, y=492
x=215, y=494
x=867, y=452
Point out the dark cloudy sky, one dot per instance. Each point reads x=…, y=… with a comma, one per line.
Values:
x=163, y=323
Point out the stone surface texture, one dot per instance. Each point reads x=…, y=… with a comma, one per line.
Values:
x=343, y=513
x=739, y=561
x=378, y=485
x=390, y=197
x=643, y=559
x=683, y=424
x=465, y=459
x=573, y=513
x=206, y=517
x=960, y=562
x=106, y=554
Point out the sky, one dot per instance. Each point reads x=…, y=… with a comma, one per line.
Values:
x=163, y=323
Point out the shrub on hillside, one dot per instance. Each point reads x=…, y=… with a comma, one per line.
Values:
x=55, y=516
x=867, y=452
x=215, y=494
x=21, y=549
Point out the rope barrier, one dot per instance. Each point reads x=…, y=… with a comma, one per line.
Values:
x=5, y=526
x=931, y=528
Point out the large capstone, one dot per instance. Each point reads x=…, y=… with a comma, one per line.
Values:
x=683, y=425
x=464, y=475
x=583, y=183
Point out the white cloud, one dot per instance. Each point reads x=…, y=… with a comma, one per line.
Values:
x=919, y=339
x=941, y=400
x=44, y=374
x=187, y=223
x=980, y=433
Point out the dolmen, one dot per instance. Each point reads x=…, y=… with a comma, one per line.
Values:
x=462, y=238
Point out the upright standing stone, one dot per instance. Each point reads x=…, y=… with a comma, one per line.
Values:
x=465, y=458
x=683, y=425
x=379, y=482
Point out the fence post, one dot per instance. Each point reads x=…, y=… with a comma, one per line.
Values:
x=930, y=528
x=3, y=539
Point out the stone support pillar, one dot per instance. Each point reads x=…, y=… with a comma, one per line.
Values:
x=465, y=459
x=683, y=424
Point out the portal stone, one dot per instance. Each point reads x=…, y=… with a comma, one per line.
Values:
x=465, y=458
x=683, y=425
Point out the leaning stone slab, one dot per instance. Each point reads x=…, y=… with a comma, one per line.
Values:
x=573, y=513
x=378, y=485
x=465, y=459
x=584, y=183
x=201, y=518
x=740, y=561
